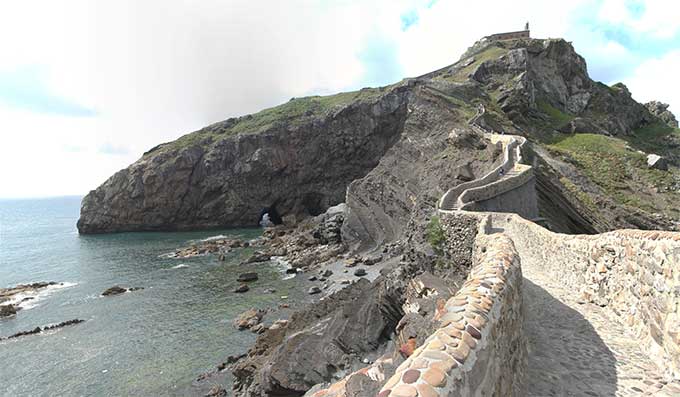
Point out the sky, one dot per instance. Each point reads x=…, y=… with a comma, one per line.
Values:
x=87, y=86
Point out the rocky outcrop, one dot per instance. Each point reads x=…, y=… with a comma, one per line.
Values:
x=216, y=178
x=660, y=110
x=38, y=330
x=117, y=290
x=327, y=338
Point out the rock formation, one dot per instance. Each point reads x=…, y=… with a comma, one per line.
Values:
x=660, y=110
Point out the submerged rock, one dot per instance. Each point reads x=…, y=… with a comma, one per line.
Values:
x=115, y=290
x=38, y=330
x=247, y=277
x=243, y=287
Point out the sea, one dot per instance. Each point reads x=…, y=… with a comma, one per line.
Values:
x=151, y=342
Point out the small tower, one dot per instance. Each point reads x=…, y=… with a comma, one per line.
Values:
x=526, y=27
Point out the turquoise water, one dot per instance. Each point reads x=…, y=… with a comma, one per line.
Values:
x=144, y=343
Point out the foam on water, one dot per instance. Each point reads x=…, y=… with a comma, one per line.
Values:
x=37, y=295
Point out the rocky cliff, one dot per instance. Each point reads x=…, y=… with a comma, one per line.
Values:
x=390, y=152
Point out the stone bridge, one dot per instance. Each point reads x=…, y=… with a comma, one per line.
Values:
x=546, y=314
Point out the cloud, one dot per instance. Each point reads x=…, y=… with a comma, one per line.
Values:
x=109, y=148
x=409, y=19
x=25, y=88
x=657, y=79
x=157, y=69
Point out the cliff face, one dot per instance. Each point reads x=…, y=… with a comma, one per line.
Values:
x=217, y=177
x=390, y=152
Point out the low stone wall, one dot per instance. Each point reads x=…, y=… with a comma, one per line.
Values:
x=635, y=274
x=451, y=197
x=497, y=188
x=520, y=199
x=479, y=349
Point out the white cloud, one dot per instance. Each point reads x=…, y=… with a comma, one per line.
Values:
x=657, y=79
x=156, y=69
x=658, y=18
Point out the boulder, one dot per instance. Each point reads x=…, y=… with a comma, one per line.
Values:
x=242, y=288
x=327, y=273
x=360, y=272
x=249, y=319
x=115, y=290
x=657, y=162
x=247, y=277
x=7, y=310
x=258, y=257
x=313, y=290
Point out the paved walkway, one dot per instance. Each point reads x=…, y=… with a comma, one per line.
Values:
x=576, y=350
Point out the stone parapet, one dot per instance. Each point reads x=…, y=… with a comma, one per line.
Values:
x=479, y=349
x=634, y=274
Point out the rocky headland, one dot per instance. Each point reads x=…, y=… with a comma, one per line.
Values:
x=355, y=179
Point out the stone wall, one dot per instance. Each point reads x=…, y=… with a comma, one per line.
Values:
x=522, y=34
x=450, y=199
x=518, y=200
x=479, y=348
x=635, y=274
x=516, y=194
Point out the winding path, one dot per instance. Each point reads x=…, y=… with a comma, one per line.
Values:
x=575, y=348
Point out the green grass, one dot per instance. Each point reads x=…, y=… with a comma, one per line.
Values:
x=559, y=118
x=621, y=172
x=293, y=113
x=491, y=52
x=583, y=197
x=435, y=234
x=651, y=138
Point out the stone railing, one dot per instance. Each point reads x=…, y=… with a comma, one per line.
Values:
x=634, y=274
x=479, y=349
x=450, y=199
x=468, y=199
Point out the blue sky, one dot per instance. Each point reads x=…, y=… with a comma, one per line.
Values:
x=90, y=86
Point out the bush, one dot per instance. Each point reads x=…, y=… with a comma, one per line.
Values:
x=435, y=235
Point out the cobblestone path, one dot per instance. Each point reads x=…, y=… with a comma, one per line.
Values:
x=576, y=349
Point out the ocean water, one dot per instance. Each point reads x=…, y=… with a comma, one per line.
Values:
x=151, y=342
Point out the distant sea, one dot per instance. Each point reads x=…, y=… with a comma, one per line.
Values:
x=151, y=342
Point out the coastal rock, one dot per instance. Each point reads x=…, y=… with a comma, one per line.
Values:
x=249, y=319
x=258, y=257
x=7, y=310
x=214, y=177
x=243, y=287
x=355, y=319
x=313, y=290
x=38, y=330
x=360, y=272
x=115, y=290
x=247, y=277
x=33, y=288
x=217, y=391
